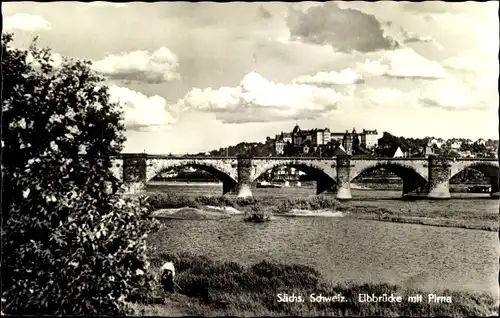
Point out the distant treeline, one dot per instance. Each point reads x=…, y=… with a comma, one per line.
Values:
x=387, y=145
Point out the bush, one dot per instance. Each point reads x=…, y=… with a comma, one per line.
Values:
x=313, y=203
x=219, y=288
x=70, y=247
x=258, y=213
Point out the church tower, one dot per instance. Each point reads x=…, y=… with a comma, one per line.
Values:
x=347, y=143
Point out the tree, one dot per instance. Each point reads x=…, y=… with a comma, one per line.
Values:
x=70, y=246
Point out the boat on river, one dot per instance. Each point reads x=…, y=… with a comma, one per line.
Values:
x=479, y=189
x=265, y=184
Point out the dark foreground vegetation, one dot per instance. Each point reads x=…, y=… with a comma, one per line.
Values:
x=210, y=288
x=70, y=247
x=464, y=216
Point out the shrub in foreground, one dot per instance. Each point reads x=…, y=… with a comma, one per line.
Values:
x=258, y=213
x=311, y=203
x=166, y=200
x=70, y=246
x=227, y=288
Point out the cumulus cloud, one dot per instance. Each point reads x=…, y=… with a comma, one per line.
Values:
x=402, y=63
x=257, y=99
x=140, y=111
x=346, y=30
x=107, y=4
x=344, y=77
x=156, y=67
x=26, y=22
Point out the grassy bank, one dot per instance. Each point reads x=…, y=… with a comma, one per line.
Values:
x=397, y=186
x=210, y=288
x=463, y=215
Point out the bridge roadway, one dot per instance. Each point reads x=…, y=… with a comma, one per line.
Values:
x=237, y=174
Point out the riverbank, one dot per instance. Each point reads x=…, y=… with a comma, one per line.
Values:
x=424, y=212
x=210, y=288
x=381, y=186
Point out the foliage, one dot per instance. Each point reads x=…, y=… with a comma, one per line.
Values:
x=312, y=203
x=230, y=289
x=161, y=200
x=253, y=149
x=258, y=213
x=389, y=141
x=70, y=247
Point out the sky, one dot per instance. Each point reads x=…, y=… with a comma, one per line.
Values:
x=193, y=77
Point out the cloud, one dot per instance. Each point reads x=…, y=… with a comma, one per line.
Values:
x=452, y=94
x=346, y=30
x=467, y=61
x=402, y=63
x=257, y=99
x=344, y=77
x=56, y=60
x=384, y=96
x=140, y=111
x=26, y=22
x=156, y=67
x=412, y=37
x=263, y=13
x=106, y=4
x=436, y=7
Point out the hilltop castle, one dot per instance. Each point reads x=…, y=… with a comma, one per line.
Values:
x=314, y=138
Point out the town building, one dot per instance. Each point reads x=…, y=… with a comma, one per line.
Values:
x=347, y=142
x=309, y=140
x=337, y=136
x=427, y=151
x=455, y=145
x=398, y=153
x=369, y=138
x=279, y=144
x=438, y=142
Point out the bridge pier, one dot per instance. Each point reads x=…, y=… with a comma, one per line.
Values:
x=439, y=176
x=410, y=185
x=343, y=177
x=244, y=172
x=228, y=187
x=495, y=187
x=323, y=185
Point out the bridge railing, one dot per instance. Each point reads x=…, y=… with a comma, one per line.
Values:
x=477, y=159
x=152, y=156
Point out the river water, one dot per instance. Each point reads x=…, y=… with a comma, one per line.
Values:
x=342, y=249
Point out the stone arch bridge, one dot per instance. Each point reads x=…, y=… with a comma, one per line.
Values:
x=238, y=173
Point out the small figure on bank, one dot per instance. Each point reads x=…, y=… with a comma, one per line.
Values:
x=167, y=277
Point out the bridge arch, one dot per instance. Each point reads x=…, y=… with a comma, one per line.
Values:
x=413, y=174
x=489, y=169
x=222, y=170
x=320, y=171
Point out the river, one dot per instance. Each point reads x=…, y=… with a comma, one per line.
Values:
x=342, y=249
